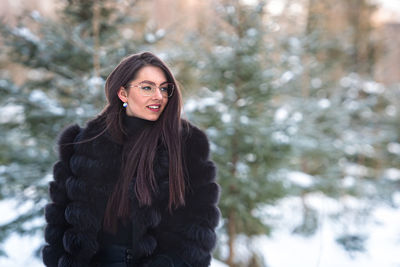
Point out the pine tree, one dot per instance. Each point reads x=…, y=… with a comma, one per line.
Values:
x=235, y=105
x=63, y=64
x=278, y=104
x=339, y=129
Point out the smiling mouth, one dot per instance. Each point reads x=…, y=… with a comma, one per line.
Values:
x=155, y=108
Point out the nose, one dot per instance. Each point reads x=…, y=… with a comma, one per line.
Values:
x=157, y=94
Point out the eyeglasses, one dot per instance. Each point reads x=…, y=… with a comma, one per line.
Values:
x=148, y=88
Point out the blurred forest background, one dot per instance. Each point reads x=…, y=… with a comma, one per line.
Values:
x=300, y=100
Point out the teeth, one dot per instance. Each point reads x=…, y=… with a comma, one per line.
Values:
x=154, y=106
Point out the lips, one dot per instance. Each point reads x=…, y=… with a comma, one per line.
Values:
x=154, y=108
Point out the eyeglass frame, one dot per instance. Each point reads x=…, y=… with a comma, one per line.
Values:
x=153, y=85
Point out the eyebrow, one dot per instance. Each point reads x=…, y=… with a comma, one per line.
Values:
x=146, y=81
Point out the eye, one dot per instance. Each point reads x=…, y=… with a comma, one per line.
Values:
x=164, y=88
x=146, y=87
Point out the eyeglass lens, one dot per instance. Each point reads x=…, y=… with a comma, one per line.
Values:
x=148, y=89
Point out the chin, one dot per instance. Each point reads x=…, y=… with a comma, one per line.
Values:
x=152, y=118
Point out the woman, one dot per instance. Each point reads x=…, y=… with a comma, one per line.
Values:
x=135, y=187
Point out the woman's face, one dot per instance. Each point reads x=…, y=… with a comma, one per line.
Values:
x=139, y=105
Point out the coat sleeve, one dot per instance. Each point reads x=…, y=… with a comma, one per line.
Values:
x=189, y=232
x=54, y=211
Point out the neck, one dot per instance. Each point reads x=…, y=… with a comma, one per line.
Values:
x=134, y=125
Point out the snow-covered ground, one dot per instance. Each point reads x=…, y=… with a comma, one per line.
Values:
x=285, y=250
x=282, y=249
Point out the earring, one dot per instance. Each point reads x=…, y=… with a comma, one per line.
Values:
x=125, y=104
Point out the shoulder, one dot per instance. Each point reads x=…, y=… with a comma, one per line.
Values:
x=73, y=136
x=195, y=140
x=66, y=140
x=93, y=128
x=200, y=168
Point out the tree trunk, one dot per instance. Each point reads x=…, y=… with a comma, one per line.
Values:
x=232, y=215
x=96, y=37
x=231, y=236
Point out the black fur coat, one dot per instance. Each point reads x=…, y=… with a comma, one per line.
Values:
x=85, y=174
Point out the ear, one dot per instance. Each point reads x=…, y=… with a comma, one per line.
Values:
x=123, y=94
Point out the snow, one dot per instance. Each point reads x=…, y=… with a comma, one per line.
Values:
x=251, y=32
x=150, y=37
x=276, y=7
x=209, y=99
x=38, y=96
x=321, y=250
x=26, y=33
x=356, y=170
x=372, y=87
x=300, y=178
x=316, y=83
x=244, y=119
x=324, y=103
x=12, y=113
x=160, y=33
x=11, y=209
x=217, y=263
x=95, y=82
x=282, y=249
x=297, y=117
x=396, y=199
x=226, y=118
x=280, y=137
x=391, y=110
x=281, y=115
x=324, y=204
x=394, y=148
x=392, y=174
x=286, y=77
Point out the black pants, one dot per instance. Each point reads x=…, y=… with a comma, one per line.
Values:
x=119, y=256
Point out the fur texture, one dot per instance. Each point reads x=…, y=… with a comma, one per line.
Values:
x=86, y=174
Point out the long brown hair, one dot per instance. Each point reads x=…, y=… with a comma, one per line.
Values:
x=138, y=156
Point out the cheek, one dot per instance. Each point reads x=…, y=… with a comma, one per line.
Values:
x=137, y=101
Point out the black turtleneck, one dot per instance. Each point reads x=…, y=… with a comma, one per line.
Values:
x=133, y=126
